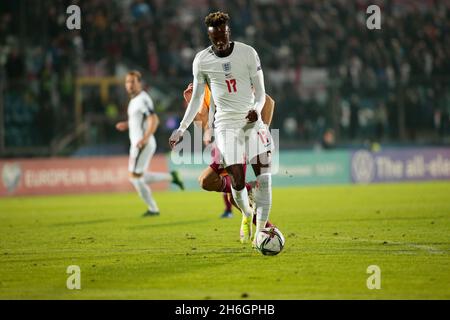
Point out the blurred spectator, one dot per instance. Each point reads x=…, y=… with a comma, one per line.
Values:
x=318, y=56
x=328, y=139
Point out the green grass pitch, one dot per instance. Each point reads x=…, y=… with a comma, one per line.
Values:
x=332, y=235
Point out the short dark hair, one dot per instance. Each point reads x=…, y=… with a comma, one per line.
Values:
x=216, y=19
x=136, y=74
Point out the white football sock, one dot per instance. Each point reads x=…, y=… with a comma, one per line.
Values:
x=241, y=199
x=145, y=193
x=263, y=199
x=260, y=224
x=152, y=177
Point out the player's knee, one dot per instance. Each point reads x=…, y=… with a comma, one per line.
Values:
x=264, y=181
x=238, y=184
x=134, y=179
x=238, y=181
x=265, y=159
x=134, y=175
x=134, y=182
x=204, y=183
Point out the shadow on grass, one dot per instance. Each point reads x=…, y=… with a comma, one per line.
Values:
x=168, y=224
x=74, y=223
x=385, y=219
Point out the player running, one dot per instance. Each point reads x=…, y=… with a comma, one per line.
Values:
x=231, y=70
x=214, y=177
x=142, y=124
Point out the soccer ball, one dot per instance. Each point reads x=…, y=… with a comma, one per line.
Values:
x=269, y=241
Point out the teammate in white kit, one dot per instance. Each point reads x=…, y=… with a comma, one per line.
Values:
x=142, y=124
x=232, y=71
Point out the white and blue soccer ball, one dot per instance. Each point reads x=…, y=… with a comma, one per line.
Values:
x=269, y=241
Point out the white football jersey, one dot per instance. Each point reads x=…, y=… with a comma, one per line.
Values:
x=139, y=108
x=229, y=79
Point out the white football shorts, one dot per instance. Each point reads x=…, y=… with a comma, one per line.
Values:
x=140, y=158
x=235, y=144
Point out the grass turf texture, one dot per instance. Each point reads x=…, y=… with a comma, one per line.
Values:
x=332, y=235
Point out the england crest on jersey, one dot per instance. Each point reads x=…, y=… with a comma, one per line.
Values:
x=226, y=66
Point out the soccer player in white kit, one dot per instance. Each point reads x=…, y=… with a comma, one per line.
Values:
x=232, y=70
x=142, y=124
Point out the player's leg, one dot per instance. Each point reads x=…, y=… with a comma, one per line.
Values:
x=215, y=177
x=263, y=192
x=172, y=176
x=153, y=177
x=231, y=200
x=238, y=188
x=138, y=162
x=251, y=187
x=260, y=146
x=211, y=180
x=240, y=196
x=227, y=213
x=231, y=145
x=145, y=193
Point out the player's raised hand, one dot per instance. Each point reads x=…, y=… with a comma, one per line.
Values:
x=252, y=116
x=175, y=137
x=122, y=126
x=187, y=94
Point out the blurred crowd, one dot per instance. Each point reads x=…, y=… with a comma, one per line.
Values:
x=332, y=78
